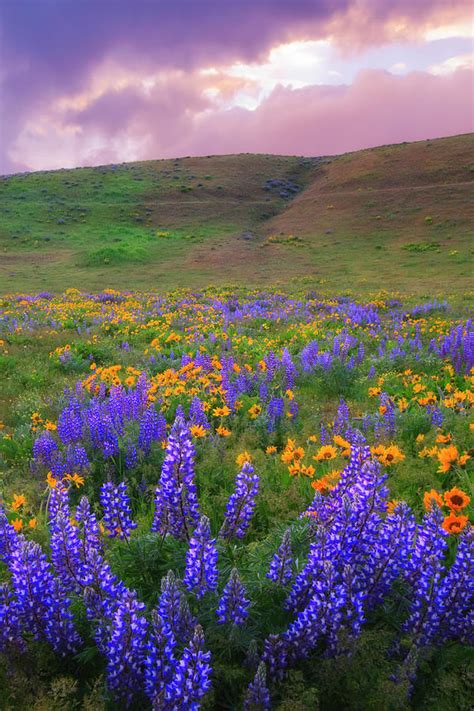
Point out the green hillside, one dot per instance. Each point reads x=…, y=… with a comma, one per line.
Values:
x=395, y=217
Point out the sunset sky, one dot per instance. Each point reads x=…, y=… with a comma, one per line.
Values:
x=87, y=82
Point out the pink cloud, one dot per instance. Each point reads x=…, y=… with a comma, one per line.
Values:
x=175, y=118
x=50, y=48
x=378, y=108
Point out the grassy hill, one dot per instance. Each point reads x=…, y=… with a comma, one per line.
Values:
x=396, y=217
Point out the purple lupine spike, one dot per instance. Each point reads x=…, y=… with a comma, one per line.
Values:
x=192, y=678
x=70, y=422
x=197, y=414
x=160, y=662
x=258, y=696
x=201, y=560
x=177, y=510
x=44, y=447
x=290, y=369
x=275, y=412
x=425, y=570
x=126, y=649
x=341, y=421
x=9, y=539
x=91, y=538
x=152, y=429
x=102, y=596
x=43, y=606
x=58, y=502
x=117, y=512
x=454, y=604
x=66, y=553
x=233, y=605
x=389, y=557
x=281, y=564
x=241, y=504
x=11, y=640
x=169, y=604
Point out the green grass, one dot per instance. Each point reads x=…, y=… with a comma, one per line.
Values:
x=364, y=221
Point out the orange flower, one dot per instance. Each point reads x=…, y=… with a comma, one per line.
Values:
x=51, y=480
x=341, y=442
x=447, y=457
x=325, y=453
x=242, y=458
x=254, y=411
x=18, y=501
x=198, y=431
x=392, y=505
x=17, y=524
x=454, y=524
x=32, y=523
x=221, y=411
x=223, y=432
x=428, y=452
x=326, y=483
x=456, y=499
x=444, y=439
x=432, y=497
x=75, y=479
x=270, y=449
x=388, y=455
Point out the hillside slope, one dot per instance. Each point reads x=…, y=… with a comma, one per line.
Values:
x=397, y=217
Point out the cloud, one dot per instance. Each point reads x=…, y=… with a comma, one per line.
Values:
x=55, y=49
x=177, y=117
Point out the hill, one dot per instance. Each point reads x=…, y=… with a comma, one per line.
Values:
x=397, y=217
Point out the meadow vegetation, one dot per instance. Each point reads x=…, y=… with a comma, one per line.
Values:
x=234, y=498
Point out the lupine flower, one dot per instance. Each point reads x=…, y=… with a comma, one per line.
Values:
x=43, y=607
x=126, y=649
x=241, y=504
x=201, y=560
x=117, y=511
x=10, y=625
x=173, y=609
x=258, y=696
x=281, y=565
x=177, y=508
x=192, y=678
x=233, y=605
x=160, y=662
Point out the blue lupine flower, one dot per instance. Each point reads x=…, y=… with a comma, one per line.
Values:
x=117, y=511
x=177, y=507
x=192, y=678
x=201, y=560
x=241, y=504
x=160, y=662
x=125, y=650
x=258, y=696
x=281, y=564
x=233, y=605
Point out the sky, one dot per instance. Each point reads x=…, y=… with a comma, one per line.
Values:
x=90, y=82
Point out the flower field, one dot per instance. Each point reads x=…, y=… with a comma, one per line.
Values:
x=235, y=499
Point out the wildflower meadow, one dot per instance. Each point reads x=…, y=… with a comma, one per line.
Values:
x=235, y=499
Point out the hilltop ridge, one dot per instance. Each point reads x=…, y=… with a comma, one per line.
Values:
x=249, y=219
